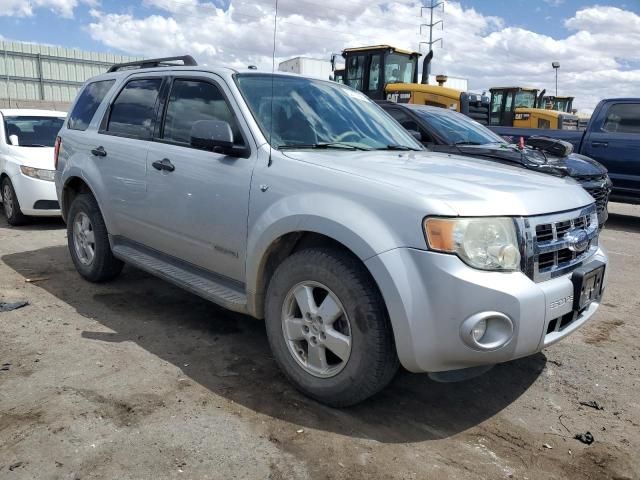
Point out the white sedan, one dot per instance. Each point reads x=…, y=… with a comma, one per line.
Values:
x=27, y=139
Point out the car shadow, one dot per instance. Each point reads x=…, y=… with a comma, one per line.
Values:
x=35, y=223
x=229, y=354
x=623, y=223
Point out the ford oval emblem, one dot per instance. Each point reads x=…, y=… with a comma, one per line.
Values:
x=578, y=240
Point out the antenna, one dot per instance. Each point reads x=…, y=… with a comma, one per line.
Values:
x=273, y=72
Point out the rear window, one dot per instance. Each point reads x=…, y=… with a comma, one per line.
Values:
x=32, y=131
x=133, y=112
x=623, y=118
x=87, y=104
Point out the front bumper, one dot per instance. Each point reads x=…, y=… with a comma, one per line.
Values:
x=37, y=197
x=430, y=295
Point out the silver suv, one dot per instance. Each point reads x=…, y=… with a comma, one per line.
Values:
x=301, y=202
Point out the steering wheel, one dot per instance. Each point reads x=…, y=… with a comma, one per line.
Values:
x=349, y=133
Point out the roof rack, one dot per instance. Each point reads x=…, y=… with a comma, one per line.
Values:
x=187, y=61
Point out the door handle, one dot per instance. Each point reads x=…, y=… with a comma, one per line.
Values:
x=99, y=151
x=164, y=164
x=599, y=144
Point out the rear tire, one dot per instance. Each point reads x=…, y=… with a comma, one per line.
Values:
x=348, y=321
x=10, y=204
x=88, y=241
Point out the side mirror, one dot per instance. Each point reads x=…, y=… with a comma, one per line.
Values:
x=214, y=135
x=13, y=140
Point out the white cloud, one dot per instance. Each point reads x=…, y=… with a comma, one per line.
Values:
x=27, y=8
x=595, y=57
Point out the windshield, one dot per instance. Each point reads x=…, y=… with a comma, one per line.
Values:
x=561, y=105
x=456, y=128
x=33, y=131
x=525, y=99
x=309, y=112
x=399, y=68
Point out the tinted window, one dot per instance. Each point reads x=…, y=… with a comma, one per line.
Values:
x=33, y=131
x=456, y=128
x=623, y=118
x=403, y=119
x=133, y=112
x=399, y=68
x=191, y=101
x=87, y=104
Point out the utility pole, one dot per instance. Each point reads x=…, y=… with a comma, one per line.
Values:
x=433, y=4
x=556, y=66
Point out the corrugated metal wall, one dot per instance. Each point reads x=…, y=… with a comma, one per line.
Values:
x=42, y=73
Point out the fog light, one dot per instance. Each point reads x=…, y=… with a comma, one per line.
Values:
x=479, y=330
x=487, y=331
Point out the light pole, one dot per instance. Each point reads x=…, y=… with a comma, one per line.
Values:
x=556, y=66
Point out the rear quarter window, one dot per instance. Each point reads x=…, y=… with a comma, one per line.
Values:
x=87, y=104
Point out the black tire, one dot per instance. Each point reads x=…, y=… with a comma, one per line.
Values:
x=11, y=205
x=104, y=266
x=372, y=362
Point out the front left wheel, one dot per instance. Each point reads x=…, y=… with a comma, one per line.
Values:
x=328, y=327
x=11, y=205
x=88, y=241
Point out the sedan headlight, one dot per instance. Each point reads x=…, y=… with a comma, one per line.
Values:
x=38, y=173
x=483, y=243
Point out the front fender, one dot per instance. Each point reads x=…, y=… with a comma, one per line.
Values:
x=358, y=228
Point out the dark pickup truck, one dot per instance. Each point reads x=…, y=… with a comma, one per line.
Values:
x=612, y=137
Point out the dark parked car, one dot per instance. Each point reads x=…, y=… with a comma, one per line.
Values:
x=612, y=137
x=444, y=130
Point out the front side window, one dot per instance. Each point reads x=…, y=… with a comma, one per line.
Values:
x=623, y=118
x=133, y=111
x=32, y=131
x=295, y=111
x=87, y=104
x=194, y=100
x=399, y=68
x=374, y=73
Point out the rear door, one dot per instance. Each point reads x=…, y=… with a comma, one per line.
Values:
x=198, y=211
x=614, y=141
x=120, y=152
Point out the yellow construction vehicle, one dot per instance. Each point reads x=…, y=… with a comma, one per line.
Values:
x=383, y=72
x=522, y=107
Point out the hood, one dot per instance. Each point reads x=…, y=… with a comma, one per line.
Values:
x=575, y=165
x=471, y=187
x=37, y=157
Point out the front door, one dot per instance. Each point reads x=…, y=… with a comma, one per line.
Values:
x=613, y=141
x=197, y=212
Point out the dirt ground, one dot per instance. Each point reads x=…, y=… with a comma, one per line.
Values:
x=137, y=379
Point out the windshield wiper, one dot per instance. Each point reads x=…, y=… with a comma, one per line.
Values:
x=463, y=142
x=322, y=145
x=394, y=146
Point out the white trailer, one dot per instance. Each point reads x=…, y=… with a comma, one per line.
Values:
x=311, y=67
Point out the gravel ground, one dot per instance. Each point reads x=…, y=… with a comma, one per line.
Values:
x=137, y=379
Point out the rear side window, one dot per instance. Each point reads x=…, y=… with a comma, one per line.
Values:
x=87, y=104
x=623, y=118
x=193, y=100
x=133, y=111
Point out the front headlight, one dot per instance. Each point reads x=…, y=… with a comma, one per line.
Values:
x=483, y=243
x=38, y=173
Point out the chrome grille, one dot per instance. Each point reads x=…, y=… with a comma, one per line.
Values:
x=550, y=250
x=598, y=188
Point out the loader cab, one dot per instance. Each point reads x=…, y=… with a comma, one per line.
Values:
x=560, y=104
x=370, y=69
x=505, y=100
